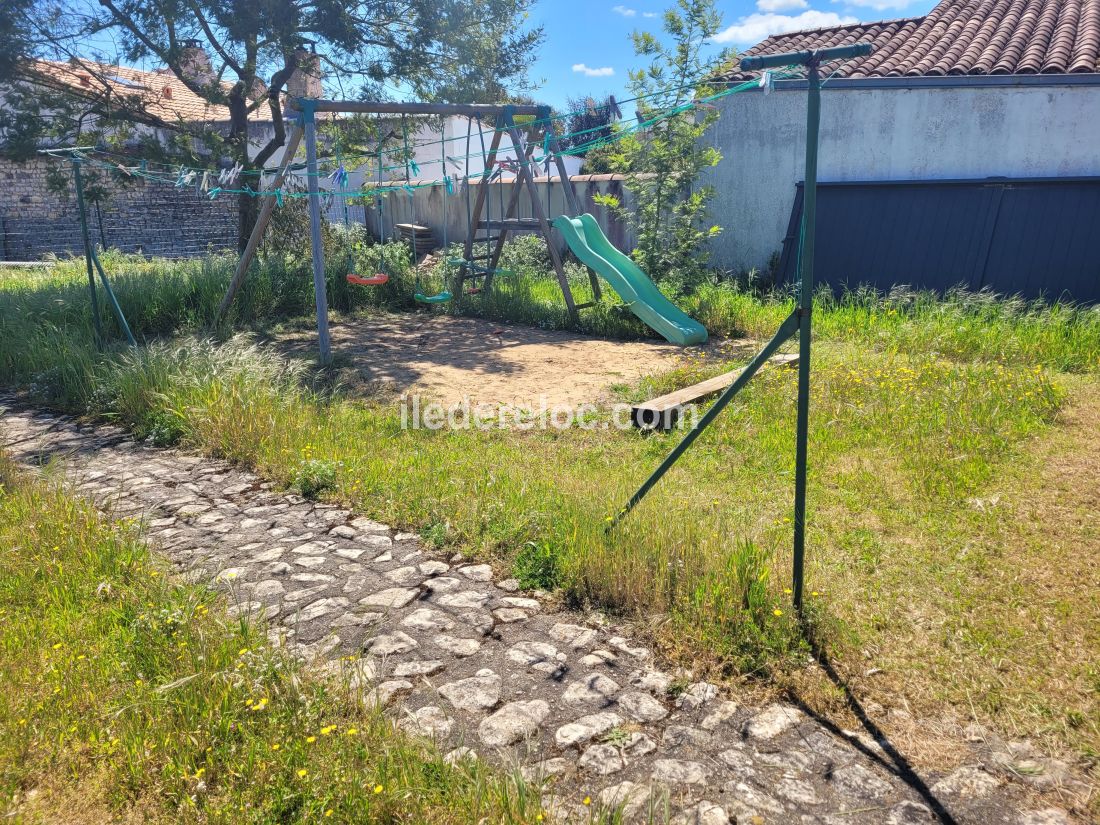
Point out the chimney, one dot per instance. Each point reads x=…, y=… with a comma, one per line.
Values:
x=306, y=80
x=195, y=63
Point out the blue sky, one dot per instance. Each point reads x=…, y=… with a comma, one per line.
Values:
x=588, y=50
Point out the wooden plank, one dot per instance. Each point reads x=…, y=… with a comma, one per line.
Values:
x=387, y=108
x=662, y=412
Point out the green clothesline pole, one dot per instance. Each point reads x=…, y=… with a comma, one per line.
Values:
x=798, y=321
x=92, y=259
x=99, y=339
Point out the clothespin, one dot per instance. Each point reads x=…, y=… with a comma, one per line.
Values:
x=414, y=167
x=180, y=178
x=340, y=177
x=616, y=112
x=454, y=163
x=408, y=189
x=278, y=197
x=205, y=185
x=124, y=170
x=766, y=82
x=450, y=184
x=214, y=192
x=229, y=176
x=546, y=143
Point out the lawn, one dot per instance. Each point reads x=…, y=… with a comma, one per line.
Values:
x=944, y=432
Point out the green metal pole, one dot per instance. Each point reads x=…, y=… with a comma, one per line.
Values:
x=114, y=301
x=785, y=331
x=805, y=307
x=99, y=340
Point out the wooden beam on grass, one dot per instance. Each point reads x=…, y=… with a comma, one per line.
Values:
x=663, y=412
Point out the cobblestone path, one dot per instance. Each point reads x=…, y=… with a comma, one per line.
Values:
x=490, y=672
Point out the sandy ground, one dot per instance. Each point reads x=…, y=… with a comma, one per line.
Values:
x=452, y=359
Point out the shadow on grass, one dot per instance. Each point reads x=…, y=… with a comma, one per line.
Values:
x=890, y=758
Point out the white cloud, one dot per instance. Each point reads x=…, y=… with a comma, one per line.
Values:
x=624, y=11
x=650, y=14
x=781, y=5
x=588, y=71
x=755, y=27
x=878, y=5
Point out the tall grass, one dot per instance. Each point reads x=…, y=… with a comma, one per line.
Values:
x=126, y=691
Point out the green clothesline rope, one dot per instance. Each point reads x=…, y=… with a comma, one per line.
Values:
x=187, y=176
x=365, y=157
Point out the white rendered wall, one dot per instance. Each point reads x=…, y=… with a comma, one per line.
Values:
x=887, y=133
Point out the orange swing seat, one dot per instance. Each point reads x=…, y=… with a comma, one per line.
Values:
x=370, y=280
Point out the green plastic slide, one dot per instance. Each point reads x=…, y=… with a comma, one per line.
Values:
x=588, y=243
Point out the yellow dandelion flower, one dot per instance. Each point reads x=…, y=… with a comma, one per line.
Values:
x=242, y=651
x=787, y=590
x=378, y=789
x=587, y=800
x=57, y=646
x=328, y=812
x=302, y=773
x=351, y=731
x=777, y=612
x=276, y=746
x=311, y=739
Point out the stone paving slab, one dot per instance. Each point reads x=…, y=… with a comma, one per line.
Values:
x=489, y=672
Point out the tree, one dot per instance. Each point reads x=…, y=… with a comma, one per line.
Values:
x=663, y=160
x=454, y=50
x=588, y=120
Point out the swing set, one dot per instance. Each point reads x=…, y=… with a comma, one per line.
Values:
x=472, y=273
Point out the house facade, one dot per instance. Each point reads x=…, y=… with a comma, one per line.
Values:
x=973, y=91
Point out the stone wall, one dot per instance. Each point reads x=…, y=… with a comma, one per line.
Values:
x=137, y=216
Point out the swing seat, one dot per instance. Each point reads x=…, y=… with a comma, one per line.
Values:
x=372, y=280
x=440, y=298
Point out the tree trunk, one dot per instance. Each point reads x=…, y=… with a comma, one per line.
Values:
x=238, y=139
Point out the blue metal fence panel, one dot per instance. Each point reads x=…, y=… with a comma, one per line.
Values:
x=1036, y=237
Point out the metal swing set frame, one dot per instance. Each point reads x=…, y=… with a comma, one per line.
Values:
x=504, y=116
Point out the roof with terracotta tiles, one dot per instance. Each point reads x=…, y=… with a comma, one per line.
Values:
x=961, y=37
x=159, y=93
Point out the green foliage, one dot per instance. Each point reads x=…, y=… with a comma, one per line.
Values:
x=314, y=476
x=667, y=208
x=589, y=120
x=538, y=565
